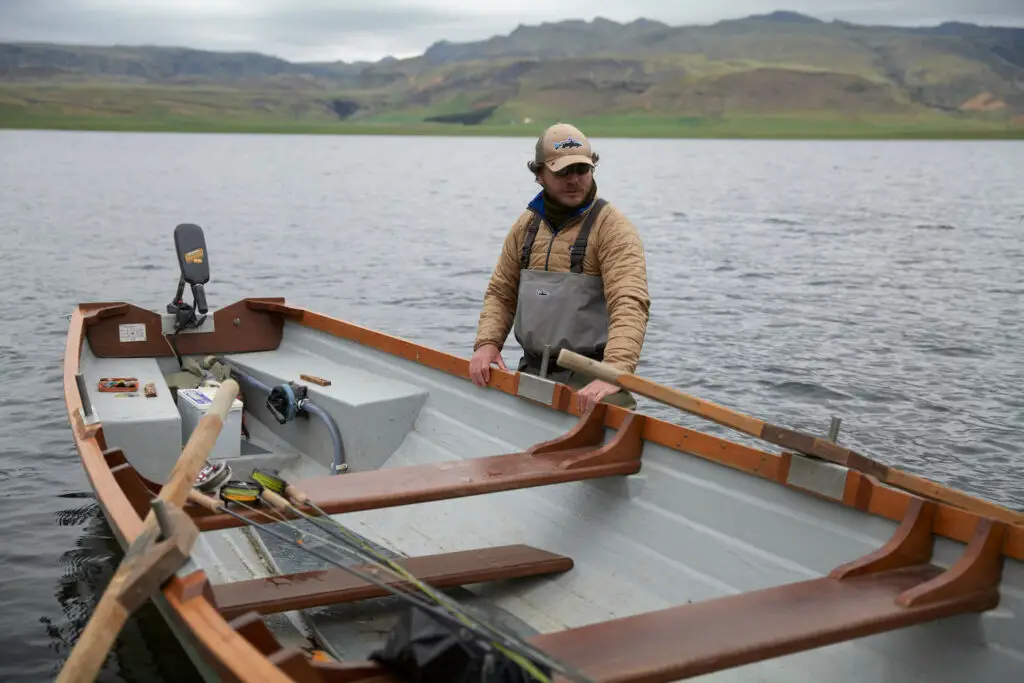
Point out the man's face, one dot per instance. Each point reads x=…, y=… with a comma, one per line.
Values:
x=570, y=185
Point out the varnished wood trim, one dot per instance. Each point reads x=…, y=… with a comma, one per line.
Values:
x=911, y=544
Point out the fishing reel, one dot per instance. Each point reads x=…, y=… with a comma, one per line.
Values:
x=286, y=401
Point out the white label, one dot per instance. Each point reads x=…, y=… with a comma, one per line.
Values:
x=135, y=332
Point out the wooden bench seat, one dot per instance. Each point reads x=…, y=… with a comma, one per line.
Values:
x=336, y=586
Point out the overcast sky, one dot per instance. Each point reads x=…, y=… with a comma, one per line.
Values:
x=301, y=30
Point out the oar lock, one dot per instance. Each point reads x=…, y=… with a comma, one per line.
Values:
x=287, y=401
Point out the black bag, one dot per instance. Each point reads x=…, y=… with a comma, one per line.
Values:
x=423, y=649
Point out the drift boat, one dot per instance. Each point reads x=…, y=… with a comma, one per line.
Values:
x=365, y=513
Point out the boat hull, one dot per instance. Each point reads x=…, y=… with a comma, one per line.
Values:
x=698, y=519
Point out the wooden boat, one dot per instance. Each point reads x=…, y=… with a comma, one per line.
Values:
x=624, y=547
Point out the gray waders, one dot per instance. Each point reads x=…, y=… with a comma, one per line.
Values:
x=563, y=311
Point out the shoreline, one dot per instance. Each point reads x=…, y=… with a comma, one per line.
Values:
x=755, y=130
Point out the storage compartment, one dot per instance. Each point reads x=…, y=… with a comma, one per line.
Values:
x=193, y=405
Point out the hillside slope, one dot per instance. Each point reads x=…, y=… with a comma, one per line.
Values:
x=777, y=67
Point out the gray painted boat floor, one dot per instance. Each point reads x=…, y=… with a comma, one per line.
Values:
x=682, y=530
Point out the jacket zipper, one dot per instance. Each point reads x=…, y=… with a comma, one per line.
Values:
x=551, y=242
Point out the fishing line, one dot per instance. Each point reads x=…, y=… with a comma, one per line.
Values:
x=441, y=614
x=278, y=485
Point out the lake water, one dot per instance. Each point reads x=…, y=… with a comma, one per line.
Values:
x=881, y=282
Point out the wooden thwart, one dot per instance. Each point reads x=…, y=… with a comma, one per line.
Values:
x=336, y=586
x=576, y=456
x=892, y=588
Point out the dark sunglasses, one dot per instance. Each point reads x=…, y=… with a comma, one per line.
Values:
x=575, y=169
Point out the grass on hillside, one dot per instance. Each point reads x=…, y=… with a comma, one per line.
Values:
x=225, y=111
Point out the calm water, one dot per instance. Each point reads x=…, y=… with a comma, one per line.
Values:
x=880, y=282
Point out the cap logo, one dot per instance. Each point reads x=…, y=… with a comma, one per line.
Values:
x=568, y=143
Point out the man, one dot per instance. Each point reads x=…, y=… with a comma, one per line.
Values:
x=571, y=274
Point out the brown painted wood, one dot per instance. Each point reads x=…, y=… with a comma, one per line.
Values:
x=910, y=545
x=252, y=627
x=352, y=672
x=296, y=665
x=336, y=586
x=588, y=432
x=237, y=328
x=977, y=572
x=424, y=483
x=131, y=483
x=701, y=638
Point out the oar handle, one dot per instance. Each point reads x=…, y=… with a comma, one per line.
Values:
x=673, y=397
x=203, y=500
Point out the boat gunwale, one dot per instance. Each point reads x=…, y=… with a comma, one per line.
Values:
x=218, y=640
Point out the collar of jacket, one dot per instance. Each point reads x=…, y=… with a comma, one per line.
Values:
x=537, y=206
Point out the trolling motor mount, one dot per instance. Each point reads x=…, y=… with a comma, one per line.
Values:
x=194, y=262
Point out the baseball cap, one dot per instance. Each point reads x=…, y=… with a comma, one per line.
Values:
x=562, y=145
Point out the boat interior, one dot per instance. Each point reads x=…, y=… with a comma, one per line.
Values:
x=622, y=548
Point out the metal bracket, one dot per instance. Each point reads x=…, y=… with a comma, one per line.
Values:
x=167, y=321
x=537, y=389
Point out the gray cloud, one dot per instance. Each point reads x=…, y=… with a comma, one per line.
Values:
x=326, y=29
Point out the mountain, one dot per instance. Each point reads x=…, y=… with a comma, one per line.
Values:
x=781, y=66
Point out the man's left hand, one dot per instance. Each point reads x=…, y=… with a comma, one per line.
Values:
x=590, y=395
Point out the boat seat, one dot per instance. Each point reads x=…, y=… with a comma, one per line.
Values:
x=147, y=430
x=373, y=413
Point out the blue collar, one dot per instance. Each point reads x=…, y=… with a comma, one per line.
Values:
x=537, y=205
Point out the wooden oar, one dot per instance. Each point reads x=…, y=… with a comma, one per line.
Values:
x=150, y=559
x=787, y=438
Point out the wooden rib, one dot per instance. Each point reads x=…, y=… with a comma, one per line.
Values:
x=251, y=627
x=237, y=328
x=588, y=432
x=138, y=495
x=911, y=544
x=352, y=672
x=296, y=665
x=425, y=483
x=978, y=570
x=336, y=586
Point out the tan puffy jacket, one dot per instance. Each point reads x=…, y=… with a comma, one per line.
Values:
x=614, y=252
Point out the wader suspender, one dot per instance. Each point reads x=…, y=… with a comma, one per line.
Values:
x=576, y=252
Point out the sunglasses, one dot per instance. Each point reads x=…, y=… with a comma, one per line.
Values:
x=575, y=169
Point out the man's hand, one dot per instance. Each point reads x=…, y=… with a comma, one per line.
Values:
x=590, y=395
x=480, y=364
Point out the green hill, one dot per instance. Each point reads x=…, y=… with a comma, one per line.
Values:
x=773, y=75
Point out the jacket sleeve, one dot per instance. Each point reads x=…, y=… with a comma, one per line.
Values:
x=499, y=308
x=623, y=267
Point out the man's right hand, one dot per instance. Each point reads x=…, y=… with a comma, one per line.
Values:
x=480, y=364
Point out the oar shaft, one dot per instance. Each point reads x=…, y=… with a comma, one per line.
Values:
x=786, y=438
x=106, y=621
